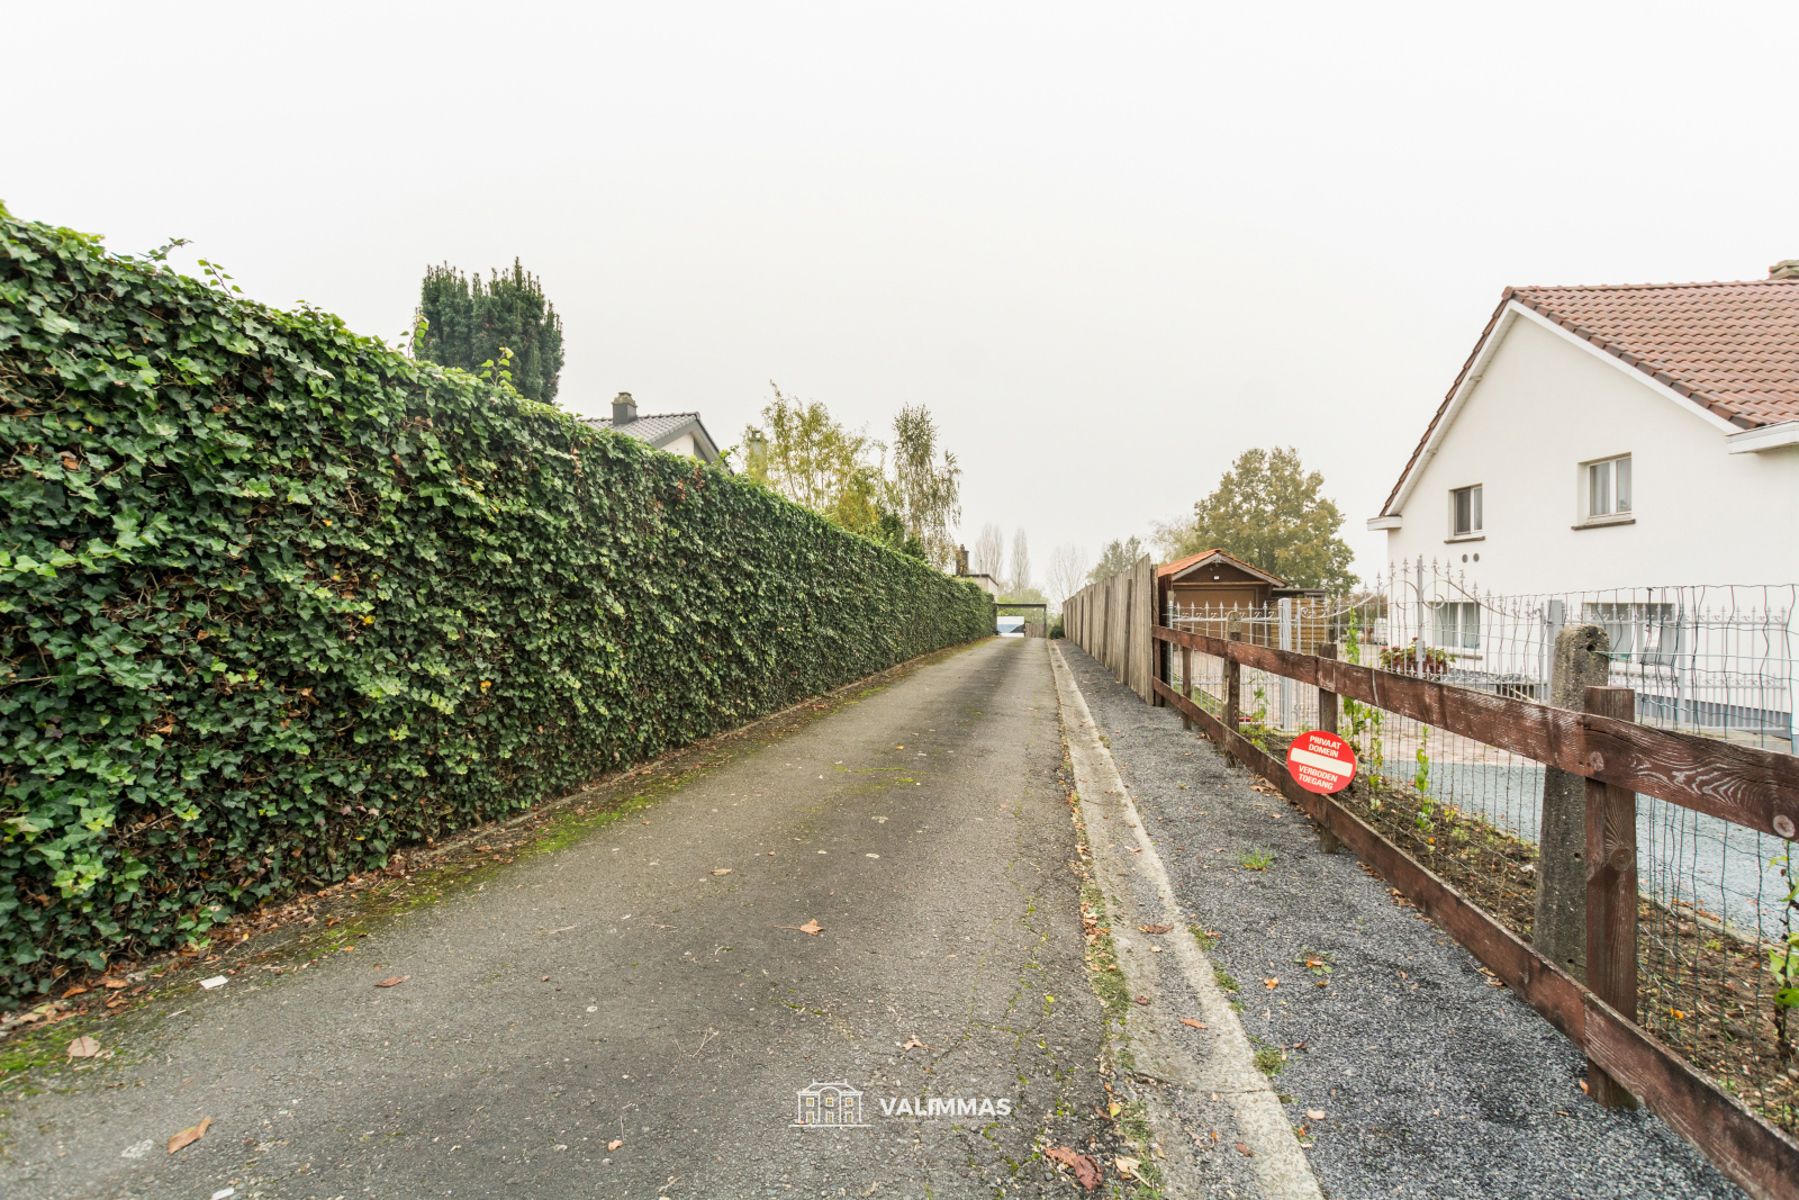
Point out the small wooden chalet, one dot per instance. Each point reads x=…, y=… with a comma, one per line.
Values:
x=1208, y=586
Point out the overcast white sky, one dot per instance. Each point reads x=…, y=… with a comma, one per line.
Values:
x=1109, y=250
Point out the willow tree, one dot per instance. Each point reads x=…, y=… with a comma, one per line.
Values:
x=925, y=489
x=803, y=452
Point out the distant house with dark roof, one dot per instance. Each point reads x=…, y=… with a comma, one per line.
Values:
x=677, y=433
x=986, y=583
x=1614, y=436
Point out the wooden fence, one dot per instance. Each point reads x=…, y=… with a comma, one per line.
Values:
x=1618, y=758
x=1112, y=620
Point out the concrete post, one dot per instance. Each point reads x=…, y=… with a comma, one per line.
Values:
x=1560, y=929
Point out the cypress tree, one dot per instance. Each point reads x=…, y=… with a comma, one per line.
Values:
x=464, y=322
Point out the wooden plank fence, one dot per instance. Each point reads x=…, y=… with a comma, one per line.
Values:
x=1112, y=620
x=1618, y=758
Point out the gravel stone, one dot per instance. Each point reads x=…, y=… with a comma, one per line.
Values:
x=1435, y=1083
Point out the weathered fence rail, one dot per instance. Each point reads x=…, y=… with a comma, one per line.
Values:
x=1745, y=785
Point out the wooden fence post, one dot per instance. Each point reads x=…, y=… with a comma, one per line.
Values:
x=1161, y=653
x=1186, y=682
x=1611, y=894
x=1158, y=669
x=1327, y=699
x=1233, y=678
x=1327, y=721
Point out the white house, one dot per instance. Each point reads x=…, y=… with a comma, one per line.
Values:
x=1616, y=437
x=677, y=433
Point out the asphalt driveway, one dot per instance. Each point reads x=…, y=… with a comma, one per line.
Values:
x=882, y=898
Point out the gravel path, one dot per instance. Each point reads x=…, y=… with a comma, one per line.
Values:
x=1434, y=1083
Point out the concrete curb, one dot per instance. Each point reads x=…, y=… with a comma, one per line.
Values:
x=1227, y=1066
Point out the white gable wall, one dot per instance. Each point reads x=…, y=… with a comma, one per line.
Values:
x=684, y=444
x=1542, y=407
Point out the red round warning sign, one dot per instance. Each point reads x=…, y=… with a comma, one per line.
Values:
x=1321, y=762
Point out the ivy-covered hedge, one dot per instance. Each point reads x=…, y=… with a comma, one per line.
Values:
x=276, y=600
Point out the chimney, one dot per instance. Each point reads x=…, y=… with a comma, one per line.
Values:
x=1785, y=269
x=624, y=409
x=961, y=560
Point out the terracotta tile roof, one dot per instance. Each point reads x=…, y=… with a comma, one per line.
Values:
x=1730, y=348
x=1192, y=560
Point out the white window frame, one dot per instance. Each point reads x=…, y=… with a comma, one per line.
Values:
x=1619, y=503
x=1646, y=634
x=1477, y=525
x=1462, y=627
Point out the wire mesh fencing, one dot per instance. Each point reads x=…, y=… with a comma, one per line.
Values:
x=1716, y=908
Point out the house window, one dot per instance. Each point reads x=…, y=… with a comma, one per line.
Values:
x=1456, y=624
x=1606, y=488
x=1649, y=634
x=1464, y=511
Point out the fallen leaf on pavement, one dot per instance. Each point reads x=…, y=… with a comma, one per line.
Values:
x=190, y=1135
x=615, y=1143
x=1156, y=928
x=1314, y=1114
x=811, y=927
x=1086, y=1172
x=1190, y=1023
x=912, y=1043
x=1142, y=999
x=83, y=1047
x=721, y=870
x=114, y=982
x=74, y=991
x=1244, y=1150
x=392, y=981
x=1271, y=984
x=1127, y=1166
